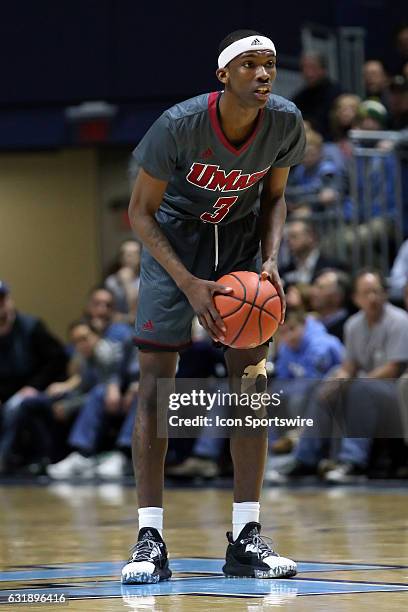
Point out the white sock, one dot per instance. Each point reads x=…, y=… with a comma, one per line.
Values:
x=151, y=517
x=243, y=513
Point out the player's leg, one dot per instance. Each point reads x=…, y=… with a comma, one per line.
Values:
x=163, y=328
x=248, y=554
x=149, y=451
x=247, y=374
x=148, y=562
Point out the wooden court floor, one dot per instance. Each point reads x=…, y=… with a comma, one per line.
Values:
x=351, y=545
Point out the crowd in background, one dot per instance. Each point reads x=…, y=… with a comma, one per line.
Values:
x=68, y=411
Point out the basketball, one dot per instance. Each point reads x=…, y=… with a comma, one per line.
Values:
x=251, y=312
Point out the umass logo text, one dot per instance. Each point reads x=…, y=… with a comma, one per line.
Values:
x=212, y=177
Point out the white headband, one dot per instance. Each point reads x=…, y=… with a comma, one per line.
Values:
x=250, y=43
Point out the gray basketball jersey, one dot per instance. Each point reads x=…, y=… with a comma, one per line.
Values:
x=209, y=178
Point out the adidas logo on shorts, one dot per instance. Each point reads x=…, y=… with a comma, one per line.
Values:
x=148, y=326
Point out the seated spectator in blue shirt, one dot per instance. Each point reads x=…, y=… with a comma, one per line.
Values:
x=95, y=360
x=95, y=386
x=305, y=353
x=317, y=181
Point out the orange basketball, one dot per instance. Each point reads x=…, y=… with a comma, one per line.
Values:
x=252, y=311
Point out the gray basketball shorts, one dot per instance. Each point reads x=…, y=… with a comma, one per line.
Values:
x=164, y=315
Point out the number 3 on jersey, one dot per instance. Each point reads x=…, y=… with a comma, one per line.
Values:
x=223, y=206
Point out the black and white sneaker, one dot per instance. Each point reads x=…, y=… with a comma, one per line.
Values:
x=148, y=562
x=250, y=555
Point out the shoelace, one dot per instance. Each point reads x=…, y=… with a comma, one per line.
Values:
x=263, y=549
x=142, y=550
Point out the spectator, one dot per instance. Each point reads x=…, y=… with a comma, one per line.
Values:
x=401, y=48
x=124, y=282
x=316, y=99
x=317, y=180
x=305, y=355
x=376, y=340
x=371, y=115
x=329, y=300
x=342, y=118
x=96, y=381
x=399, y=273
x=374, y=200
x=376, y=82
x=305, y=256
x=31, y=359
x=100, y=311
x=117, y=463
x=201, y=360
x=298, y=296
x=403, y=390
x=399, y=103
x=96, y=360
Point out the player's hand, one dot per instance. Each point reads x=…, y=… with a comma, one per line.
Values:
x=200, y=294
x=270, y=272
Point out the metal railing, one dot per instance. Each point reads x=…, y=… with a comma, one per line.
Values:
x=366, y=225
x=343, y=49
x=377, y=214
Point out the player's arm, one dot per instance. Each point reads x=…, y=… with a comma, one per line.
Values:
x=273, y=216
x=145, y=201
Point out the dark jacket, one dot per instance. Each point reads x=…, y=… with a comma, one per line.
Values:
x=288, y=272
x=315, y=104
x=29, y=356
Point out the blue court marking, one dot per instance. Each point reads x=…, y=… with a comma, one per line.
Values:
x=184, y=565
x=220, y=586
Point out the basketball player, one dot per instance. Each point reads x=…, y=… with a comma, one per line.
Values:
x=196, y=209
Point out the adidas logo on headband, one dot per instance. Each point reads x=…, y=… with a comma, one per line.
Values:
x=242, y=45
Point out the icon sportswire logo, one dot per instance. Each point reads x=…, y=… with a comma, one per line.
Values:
x=213, y=178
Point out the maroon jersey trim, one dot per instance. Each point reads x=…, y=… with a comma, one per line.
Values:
x=137, y=340
x=212, y=109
